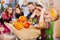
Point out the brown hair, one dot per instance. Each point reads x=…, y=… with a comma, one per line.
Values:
x=7, y=8
x=39, y=5
x=17, y=6
x=30, y=3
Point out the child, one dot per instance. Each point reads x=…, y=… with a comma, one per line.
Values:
x=37, y=14
x=7, y=16
x=18, y=11
x=49, y=19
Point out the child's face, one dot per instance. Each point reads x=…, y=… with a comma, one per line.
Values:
x=47, y=16
x=10, y=10
x=31, y=7
x=38, y=8
x=17, y=10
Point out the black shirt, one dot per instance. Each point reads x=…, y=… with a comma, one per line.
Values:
x=28, y=16
x=18, y=15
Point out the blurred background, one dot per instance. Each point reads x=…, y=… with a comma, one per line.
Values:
x=4, y=3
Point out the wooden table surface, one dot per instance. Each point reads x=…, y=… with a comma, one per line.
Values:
x=24, y=33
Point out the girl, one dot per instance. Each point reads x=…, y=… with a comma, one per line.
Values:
x=49, y=18
x=18, y=11
x=7, y=16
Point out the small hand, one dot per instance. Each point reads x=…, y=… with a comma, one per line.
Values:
x=1, y=29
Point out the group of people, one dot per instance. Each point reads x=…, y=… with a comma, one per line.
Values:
x=36, y=11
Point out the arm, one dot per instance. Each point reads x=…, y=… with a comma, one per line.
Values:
x=33, y=14
x=41, y=21
x=28, y=16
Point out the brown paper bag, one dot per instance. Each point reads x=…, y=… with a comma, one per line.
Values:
x=57, y=28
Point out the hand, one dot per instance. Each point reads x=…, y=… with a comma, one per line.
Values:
x=37, y=26
x=11, y=22
x=1, y=29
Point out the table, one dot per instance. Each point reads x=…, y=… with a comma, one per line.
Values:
x=24, y=33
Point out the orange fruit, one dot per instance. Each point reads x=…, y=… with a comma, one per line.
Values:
x=22, y=18
x=26, y=24
x=18, y=25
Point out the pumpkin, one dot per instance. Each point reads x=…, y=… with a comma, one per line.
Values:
x=22, y=18
x=18, y=25
x=26, y=24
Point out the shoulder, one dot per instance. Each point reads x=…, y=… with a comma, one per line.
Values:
x=3, y=13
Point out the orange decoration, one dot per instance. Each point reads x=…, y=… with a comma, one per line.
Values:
x=18, y=25
x=22, y=18
x=26, y=24
x=3, y=1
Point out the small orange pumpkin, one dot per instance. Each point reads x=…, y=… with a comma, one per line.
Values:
x=26, y=24
x=18, y=25
x=22, y=18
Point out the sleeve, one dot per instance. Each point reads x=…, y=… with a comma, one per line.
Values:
x=23, y=13
x=4, y=16
x=28, y=16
